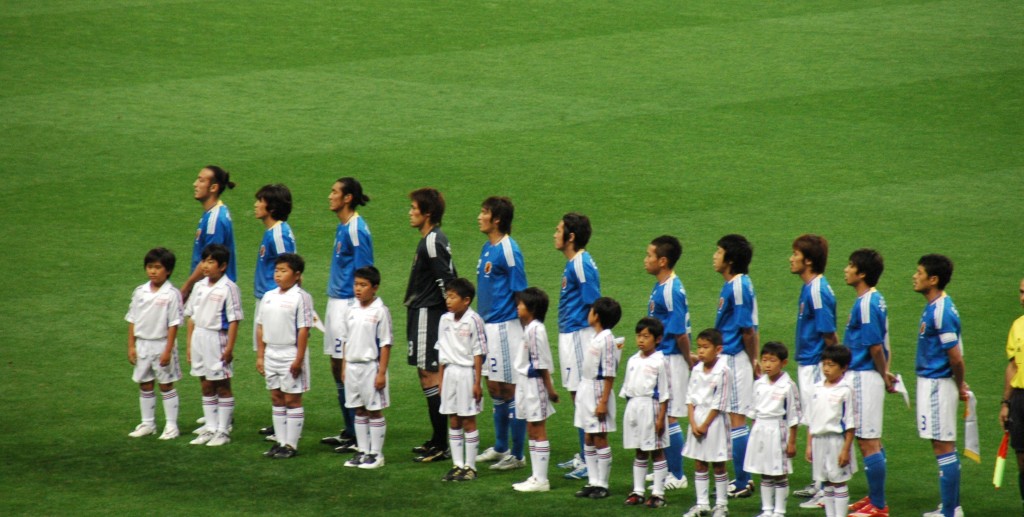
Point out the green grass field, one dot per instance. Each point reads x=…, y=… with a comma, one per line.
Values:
x=891, y=124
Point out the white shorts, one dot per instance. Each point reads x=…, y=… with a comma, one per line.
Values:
x=588, y=394
x=500, y=338
x=359, y=390
x=806, y=376
x=937, y=402
x=207, y=349
x=638, y=425
x=714, y=447
x=334, y=324
x=678, y=382
x=570, y=355
x=825, y=467
x=741, y=397
x=766, y=448
x=532, y=402
x=277, y=365
x=868, y=402
x=457, y=391
x=255, y=318
x=147, y=362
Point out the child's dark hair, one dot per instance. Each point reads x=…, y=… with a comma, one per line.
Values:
x=430, y=202
x=535, y=300
x=218, y=252
x=294, y=261
x=221, y=178
x=815, y=249
x=370, y=274
x=775, y=348
x=278, y=199
x=712, y=335
x=608, y=312
x=652, y=325
x=502, y=209
x=462, y=287
x=937, y=265
x=738, y=253
x=353, y=187
x=838, y=354
x=162, y=255
x=668, y=247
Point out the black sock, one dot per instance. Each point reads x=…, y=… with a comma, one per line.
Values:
x=438, y=422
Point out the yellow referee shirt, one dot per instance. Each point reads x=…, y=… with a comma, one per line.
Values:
x=1015, y=351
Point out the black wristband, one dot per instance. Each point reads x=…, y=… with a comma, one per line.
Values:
x=1005, y=402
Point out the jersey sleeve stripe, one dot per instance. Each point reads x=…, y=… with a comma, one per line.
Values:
x=506, y=249
x=211, y=222
x=737, y=290
x=353, y=230
x=432, y=245
x=816, y=293
x=865, y=309
x=577, y=267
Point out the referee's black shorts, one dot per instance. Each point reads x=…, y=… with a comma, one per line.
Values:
x=1015, y=424
x=421, y=332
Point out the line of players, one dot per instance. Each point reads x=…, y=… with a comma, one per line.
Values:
x=356, y=318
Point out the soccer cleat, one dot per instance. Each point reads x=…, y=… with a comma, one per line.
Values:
x=816, y=501
x=938, y=512
x=650, y=476
x=766, y=513
x=599, y=492
x=807, y=491
x=720, y=510
x=870, y=510
x=286, y=452
x=273, y=450
x=431, y=455
x=491, y=455
x=859, y=504
x=674, y=483
x=346, y=447
x=579, y=474
x=372, y=461
x=585, y=491
x=356, y=460
x=571, y=463
x=170, y=433
x=509, y=462
x=219, y=439
x=744, y=492
x=266, y=431
x=656, y=501
x=452, y=474
x=270, y=438
x=203, y=437
x=200, y=430
x=634, y=499
x=201, y=421
x=698, y=510
x=336, y=440
x=466, y=474
x=420, y=449
x=142, y=430
x=532, y=484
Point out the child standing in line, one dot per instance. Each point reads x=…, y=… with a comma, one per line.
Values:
x=646, y=390
x=831, y=428
x=709, y=441
x=776, y=413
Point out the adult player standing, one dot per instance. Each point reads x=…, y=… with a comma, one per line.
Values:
x=215, y=224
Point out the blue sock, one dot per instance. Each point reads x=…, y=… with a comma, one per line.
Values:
x=674, y=451
x=739, y=451
x=874, y=469
x=949, y=482
x=347, y=414
x=518, y=430
x=500, y=425
x=583, y=439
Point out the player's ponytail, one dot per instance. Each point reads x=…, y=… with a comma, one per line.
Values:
x=351, y=186
x=221, y=178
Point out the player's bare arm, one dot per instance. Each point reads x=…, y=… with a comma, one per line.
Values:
x=751, y=344
x=552, y=394
x=956, y=363
x=229, y=349
x=683, y=345
x=261, y=349
x=878, y=358
x=382, y=368
x=301, y=342
x=172, y=335
x=844, y=455
x=132, y=357
x=1004, y=407
x=602, y=404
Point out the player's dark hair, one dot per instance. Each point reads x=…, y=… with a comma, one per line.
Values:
x=218, y=252
x=838, y=354
x=652, y=325
x=738, y=253
x=711, y=335
x=668, y=247
x=937, y=265
x=535, y=300
x=294, y=261
x=579, y=226
x=502, y=209
x=278, y=199
x=462, y=287
x=352, y=186
x=870, y=263
x=608, y=312
x=775, y=348
x=430, y=202
x=370, y=274
x=221, y=178
x=162, y=255
x=813, y=248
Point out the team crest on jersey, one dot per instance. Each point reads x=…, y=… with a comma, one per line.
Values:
x=199, y=233
x=801, y=308
x=650, y=307
x=923, y=327
x=487, y=267
x=721, y=302
x=564, y=282
x=337, y=247
x=263, y=250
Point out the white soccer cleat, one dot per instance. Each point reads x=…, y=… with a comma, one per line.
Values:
x=219, y=439
x=816, y=501
x=372, y=461
x=674, y=483
x=201, y=420
x=532, y=484
x=491, y=455
x=698, y=510
x=200, y=430
x=572, y=463
x=142, y=430
x=720, y=510
x=509, y=462
x=938, y=512
x=807, y=491
x=170, y=433
x=203, y=437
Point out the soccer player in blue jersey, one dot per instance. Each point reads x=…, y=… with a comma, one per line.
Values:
x=815, y=327
x=581, y=285
x=736, y=320
x=668, y=304
x=353, y=249
x=500, y=274
x=940, y=376
x=215, y=224
x=867, y=337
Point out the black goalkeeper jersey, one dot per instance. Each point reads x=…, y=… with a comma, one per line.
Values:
x=432, y=269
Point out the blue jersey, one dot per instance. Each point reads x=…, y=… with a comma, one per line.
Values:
x=353, y=249
x=815, y=317
x=215, y=228
x=668, y=304
x=500, y=273
x=737, y=310
x=277, y=239
x=581, y=285
x=868, y=326
x=939, y=331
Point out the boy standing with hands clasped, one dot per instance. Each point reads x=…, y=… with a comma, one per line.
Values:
x=646, y=390
x=830, y=429
x=709, y=441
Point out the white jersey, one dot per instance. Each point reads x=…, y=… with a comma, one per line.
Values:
x=600, y=357
x=368, y=329
x=646, y=377
x=533, y=353
x=779, y=400
x=214, y=307
x=459, y=341
x=153, y=313
x=709, y=390
x=831, y=409
x=282, y=314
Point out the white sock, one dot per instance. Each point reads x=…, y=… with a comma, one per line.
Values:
x=225, y=408
x=702, y=482
x=363, y=434
x=830, y=501
x=639, y=473
x=722, y=489
x=210, y=412
x=842, y=501
x=296, y=416
x=147, y=403
x=767, y=494
x=171, y=407
x=604, y=465
x=472, y=444
x=280, y=419
x=540, y=455
x=455, y=441
x=660, y=472
x=781, y=494
x=590, y=456
x=377, y=430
